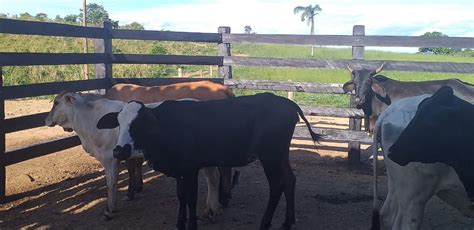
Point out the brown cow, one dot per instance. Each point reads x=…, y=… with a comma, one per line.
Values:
x=200, y=90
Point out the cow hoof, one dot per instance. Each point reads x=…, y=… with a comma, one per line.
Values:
x=208, y=216
x=224, y=202
x=285, y=227
x=108, y=215
x=181, y=227
x=139, y=188
x=129, y=197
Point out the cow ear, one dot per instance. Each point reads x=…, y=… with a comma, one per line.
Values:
x=378, y=89
x=69, y=98
x=348, y=86
x=108, y=121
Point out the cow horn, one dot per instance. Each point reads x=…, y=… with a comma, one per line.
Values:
x=349, y=68
x=380, y=68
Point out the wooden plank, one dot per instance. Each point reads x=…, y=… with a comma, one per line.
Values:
x=224, y=71
x=38, y=150
x=358, y=53
x=329, y=88
x=11, y=26
x=166, y=36
x=104, y=46
x=99, y=68
x=349, y=40
x=332, y=112
x=339, y=135
x=3, y=175
x=40, y=89
x=165, y=59
x=24, y=122
x=414, y=66
x=108, y=50
x=24, y=59
x=163, y=81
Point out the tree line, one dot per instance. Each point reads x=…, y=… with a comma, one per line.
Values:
x=96, y=16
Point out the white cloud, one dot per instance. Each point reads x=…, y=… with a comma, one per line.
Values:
x=336, y=18
x=389, y=17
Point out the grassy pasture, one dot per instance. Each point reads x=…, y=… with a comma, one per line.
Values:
x=45, y=44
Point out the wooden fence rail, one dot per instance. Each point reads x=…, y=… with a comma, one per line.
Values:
x=38, y=150
x=40, y=89
x=104, y=58
x=285, y=86
x=9, y=26
x=346, y=40
x=413, y=66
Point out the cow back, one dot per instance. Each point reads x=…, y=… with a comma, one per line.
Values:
x=201, y=90
x=230, y=132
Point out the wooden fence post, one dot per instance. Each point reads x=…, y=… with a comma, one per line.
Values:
x=3, y=176
x=224, y=50
x=356, y=123
x=104, y=46
x=291, y=94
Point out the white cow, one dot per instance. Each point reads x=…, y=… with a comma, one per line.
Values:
x=81, y=112
x=411, y=186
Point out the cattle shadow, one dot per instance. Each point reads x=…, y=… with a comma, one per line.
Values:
x=67, y=203
x=79, y=202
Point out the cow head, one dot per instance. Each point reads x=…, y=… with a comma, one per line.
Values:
x=432, y=136
x=135, y=126
x=62, y=112
x=364, y=84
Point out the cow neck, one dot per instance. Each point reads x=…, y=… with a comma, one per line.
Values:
x=87, y=113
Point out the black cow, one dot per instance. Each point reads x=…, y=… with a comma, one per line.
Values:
x=374, y=93
x=180, y=137
x=442, y=130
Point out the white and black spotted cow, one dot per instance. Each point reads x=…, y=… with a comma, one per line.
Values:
x=180, y=137
x=442, y=130
x=81, y=112
x=412, y=185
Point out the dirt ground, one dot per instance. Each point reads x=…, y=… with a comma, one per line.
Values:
x=67, y=190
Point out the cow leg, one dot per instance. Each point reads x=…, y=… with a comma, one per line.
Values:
x=111, y=176
x=180, y=192
x=389, y=207
x=273, y=174
x=225, y=185
x=366, y=123
x=212, y=201
x=139, y=174
x=191, y=186
x=372, y=120
x=289, y=181
x=132, y=183
x=411, y=203
x=458, y=199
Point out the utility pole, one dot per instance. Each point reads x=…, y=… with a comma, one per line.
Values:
x=84, y=23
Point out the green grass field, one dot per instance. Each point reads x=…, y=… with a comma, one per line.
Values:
x=37, y=74
x=332, y=76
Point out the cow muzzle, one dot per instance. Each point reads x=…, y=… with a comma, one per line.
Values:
x=358, y=102
x=122, y=153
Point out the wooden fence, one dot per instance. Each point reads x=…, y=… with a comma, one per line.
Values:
x=104, y=59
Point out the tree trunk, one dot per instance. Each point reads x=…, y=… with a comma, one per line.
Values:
x=312, y=33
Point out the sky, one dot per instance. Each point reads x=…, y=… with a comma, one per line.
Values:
x=391, y=17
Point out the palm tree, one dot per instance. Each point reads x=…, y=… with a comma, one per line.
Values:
x=308, y=13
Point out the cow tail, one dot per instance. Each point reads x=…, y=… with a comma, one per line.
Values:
x=316, y=137
x=375, y=210
x=229, y=93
